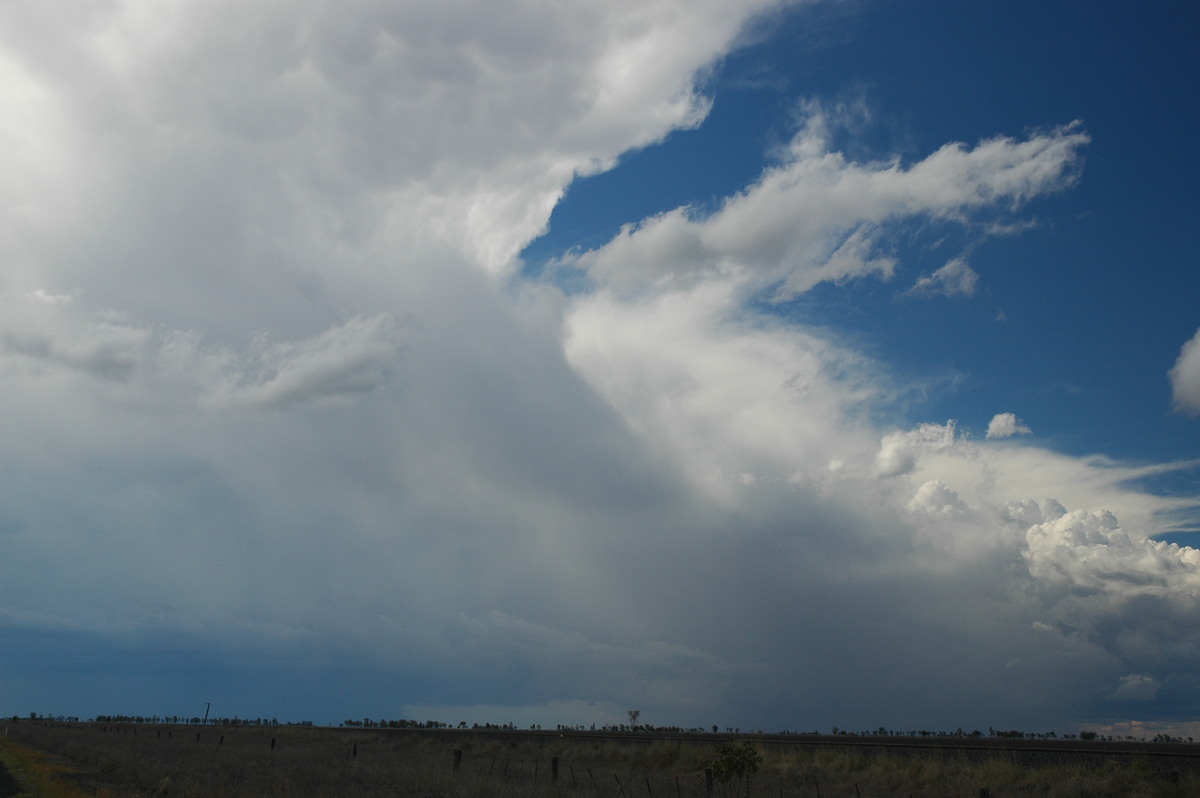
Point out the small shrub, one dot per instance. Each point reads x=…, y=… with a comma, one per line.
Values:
x=734, y=762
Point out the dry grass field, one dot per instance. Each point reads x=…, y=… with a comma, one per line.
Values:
x=49, y=760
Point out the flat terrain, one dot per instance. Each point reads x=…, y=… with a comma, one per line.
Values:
x=8, y=785
x=104, y=759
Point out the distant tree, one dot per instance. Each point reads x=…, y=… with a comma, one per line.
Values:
x=634, y=714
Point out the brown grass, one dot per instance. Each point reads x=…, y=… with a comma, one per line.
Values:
x=66, y=761
x=41, y=774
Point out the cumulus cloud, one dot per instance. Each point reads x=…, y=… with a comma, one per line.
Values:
x=935, y=498
x=956, y=277
x=724, y=397
x=1088, y=551
x=898, y=451
x=1006, y=425
x=282, y=365
x=817, y=217
x=1185, y=377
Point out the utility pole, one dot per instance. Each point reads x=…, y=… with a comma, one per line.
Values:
x=206, y=708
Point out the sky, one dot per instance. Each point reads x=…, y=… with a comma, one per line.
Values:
x=772, y=365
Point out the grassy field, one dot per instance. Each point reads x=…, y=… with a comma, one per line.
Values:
x=68, y=760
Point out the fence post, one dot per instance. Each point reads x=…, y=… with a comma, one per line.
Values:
x=457, y=758
x=708, y=782
x=554, y=769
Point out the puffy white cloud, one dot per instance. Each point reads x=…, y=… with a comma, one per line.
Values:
x=724, y=395
x=1185, y=377
x=935, y=498
x=898, y=450
x=1006, y=425
x=248, y=178
x=817, y=216
x=1088, y=551
x=1028, y=480
x=956, y=277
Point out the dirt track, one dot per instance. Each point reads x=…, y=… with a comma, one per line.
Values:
x=8, y=785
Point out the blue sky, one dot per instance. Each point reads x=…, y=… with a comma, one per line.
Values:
x=769, y=365
x=1105, y=272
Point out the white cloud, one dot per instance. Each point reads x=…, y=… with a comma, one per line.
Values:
x=723, y=395
x=247, y=176
x=1185, y=377
x=956, y=277
x=817, y=216
x=341, y=362
x=898, y=450
x=260, y=329
x=1006, y=425
x=935, y=498
x=1090, y=552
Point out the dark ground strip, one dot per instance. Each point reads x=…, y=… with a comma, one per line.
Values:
x=8, y=785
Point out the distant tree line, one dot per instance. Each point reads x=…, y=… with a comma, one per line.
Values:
x=370, y=723
x=169, y=719
x=1003, y=734
x=626, y=728
x=197, y=721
